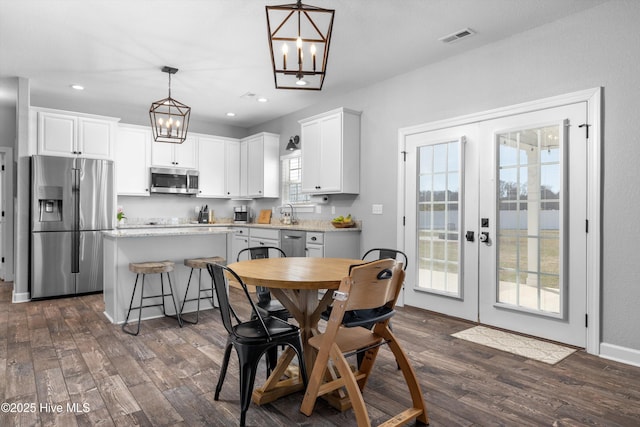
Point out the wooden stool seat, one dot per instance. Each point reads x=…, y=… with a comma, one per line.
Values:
x=206, y=292
x=144, y=268
x=201, y=263
x=152, y=267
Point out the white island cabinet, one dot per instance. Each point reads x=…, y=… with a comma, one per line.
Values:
x=124, y=246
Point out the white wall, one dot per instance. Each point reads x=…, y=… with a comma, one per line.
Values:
x=595, y=48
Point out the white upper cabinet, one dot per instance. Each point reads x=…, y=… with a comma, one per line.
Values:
x=132, y=160
x=215, y=170
x=331, y=152
x=169, y=155
x=260, y=166
x=233, y=168
x=67, y=134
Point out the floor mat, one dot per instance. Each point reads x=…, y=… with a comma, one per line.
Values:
x=516, y=344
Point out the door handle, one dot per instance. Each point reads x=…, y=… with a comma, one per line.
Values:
x=484, y=238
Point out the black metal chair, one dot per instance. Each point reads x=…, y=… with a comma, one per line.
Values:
x=250, y=339
x=367, y=318
x=266, y=305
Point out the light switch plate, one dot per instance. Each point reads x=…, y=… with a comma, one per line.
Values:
x=376, y=209
x=318, y=209
x=333, y=210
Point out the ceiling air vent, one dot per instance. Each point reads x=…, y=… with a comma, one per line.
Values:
x=464, y=33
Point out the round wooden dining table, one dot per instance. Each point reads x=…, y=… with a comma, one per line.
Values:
x=295, y=282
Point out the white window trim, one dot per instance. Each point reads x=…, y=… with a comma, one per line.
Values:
x=301, y=207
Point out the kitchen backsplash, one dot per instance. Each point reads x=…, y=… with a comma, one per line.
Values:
x=166, y=209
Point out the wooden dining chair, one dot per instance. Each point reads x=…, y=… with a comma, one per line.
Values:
x=369, y=285
x=251, y=339
x=369, y=317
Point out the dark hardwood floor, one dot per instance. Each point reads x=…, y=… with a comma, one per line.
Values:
x=63, y=364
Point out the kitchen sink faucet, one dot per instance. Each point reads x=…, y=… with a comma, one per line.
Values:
x=294, y=220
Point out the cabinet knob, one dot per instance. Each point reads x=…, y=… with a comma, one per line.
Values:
x=314, y=238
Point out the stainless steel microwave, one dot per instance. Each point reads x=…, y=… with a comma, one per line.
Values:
x=174, y=180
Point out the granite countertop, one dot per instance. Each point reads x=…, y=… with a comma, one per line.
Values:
x=167, y=231
x=305, y=225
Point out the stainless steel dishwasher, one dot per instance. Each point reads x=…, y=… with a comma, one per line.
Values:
x=293, y=242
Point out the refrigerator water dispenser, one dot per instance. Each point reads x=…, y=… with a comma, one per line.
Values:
x=50, y=210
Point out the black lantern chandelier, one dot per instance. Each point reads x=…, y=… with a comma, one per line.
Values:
x=169, y=118
x=299, y=44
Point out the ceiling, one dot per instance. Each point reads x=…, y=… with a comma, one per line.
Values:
x=116, y=48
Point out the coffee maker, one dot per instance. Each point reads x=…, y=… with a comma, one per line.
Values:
x=241, y=214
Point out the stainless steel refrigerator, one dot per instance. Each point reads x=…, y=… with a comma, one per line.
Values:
x=72, y=202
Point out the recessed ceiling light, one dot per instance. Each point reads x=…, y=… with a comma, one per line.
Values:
x=77, y=87
x=262, y=99
x=230, y=114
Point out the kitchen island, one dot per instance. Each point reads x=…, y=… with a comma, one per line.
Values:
x=123, y=246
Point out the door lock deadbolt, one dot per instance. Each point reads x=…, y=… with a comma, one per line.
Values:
x=470, y=236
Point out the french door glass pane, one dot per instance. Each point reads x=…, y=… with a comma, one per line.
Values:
x=529, y=226
x=439, y=218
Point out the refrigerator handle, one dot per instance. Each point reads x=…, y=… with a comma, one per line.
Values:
x=75, y=238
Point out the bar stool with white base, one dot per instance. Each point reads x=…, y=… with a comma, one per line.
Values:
x=200, y=264
x=144, y=268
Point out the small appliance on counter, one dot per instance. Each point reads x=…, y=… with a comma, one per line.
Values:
x=241, y=214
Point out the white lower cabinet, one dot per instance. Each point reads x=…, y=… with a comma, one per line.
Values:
x=338, y=244
x=239, y=242
x=264, y=237
x=315, y=245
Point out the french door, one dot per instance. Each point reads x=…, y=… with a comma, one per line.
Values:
x=495, y=217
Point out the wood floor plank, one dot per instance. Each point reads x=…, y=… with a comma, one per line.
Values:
x=117, y=396
x=155, y=405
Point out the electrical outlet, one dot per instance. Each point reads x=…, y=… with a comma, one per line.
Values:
x=318, y=209
x=376, y=209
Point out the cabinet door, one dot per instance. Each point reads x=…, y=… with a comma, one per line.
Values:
x=232, y=168
x=162, y=154
x=311, y=167
x=57, y=134
x=186, y=154
x=240, y=241
x=95, y=139
x=259, y=241
x=133, y=152
x=212, y=167
x=255, y=167
x=244, y=187
x=331, y=154
x=315, y=251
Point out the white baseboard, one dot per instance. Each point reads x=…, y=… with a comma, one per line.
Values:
x=620, y=354
x=21, y=297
